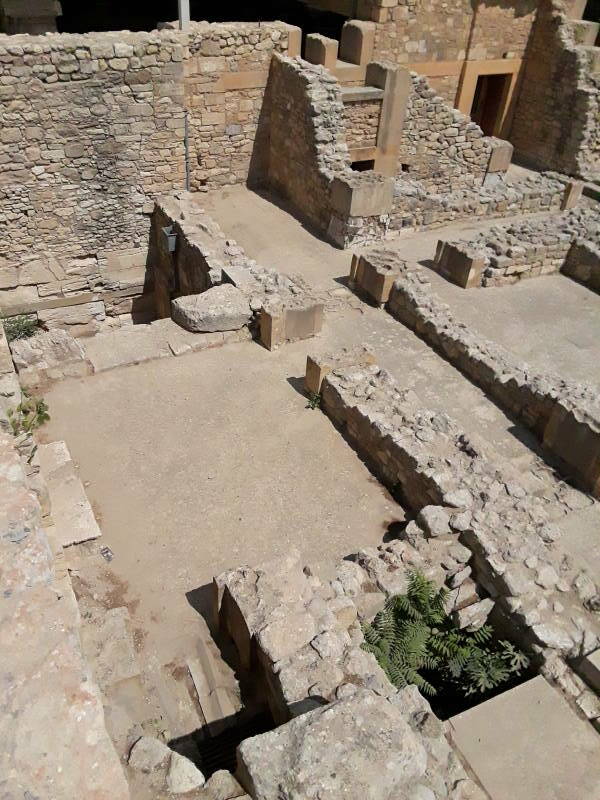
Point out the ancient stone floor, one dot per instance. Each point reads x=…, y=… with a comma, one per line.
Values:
x=209, y=460
x=524, y=318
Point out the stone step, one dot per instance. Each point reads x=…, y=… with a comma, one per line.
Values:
x=585, y=31
x=71, y=513
x=107, y=641
x=174, y=691
x=215, y=689
x=346, y=72
x=357, y=94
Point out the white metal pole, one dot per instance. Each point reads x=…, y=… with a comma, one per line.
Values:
x=184, y=14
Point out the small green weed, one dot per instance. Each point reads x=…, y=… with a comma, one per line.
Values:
x=31, y=413
x=21, y=327
x=314, y=400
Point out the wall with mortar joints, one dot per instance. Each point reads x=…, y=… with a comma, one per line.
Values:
x=440, y=145
x=414, y=30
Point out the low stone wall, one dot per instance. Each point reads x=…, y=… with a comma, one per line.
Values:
x=303, y=641
x=415, y=206
x=81, y=295
x=506, y=254
x=283, y=308
x=564, y=415
x=425, y=457
x=54, y=740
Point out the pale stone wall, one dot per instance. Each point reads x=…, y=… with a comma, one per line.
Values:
x=362, y=123
x=557, y=118
x=225, y=78
x=441, y=146
x=91, y=129
x=307, y=143
x=418, y=31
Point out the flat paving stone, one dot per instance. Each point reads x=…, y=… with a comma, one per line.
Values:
x=528, y=744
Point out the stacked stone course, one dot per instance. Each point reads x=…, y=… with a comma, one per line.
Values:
x=362, y=123
x=556, y=117
x=441, y=147
x=559, y=412
x=528, y=249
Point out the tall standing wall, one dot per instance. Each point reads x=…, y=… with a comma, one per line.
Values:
x=557, y=118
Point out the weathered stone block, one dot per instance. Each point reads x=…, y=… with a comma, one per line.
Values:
x=320, y=49
x=458, y=266
x=501, y=155
x=222, y=308
x=279, y=325
x=369, y=197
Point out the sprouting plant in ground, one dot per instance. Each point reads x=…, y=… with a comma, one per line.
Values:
x=31, y=413
x=314, y=400
x=21, y=327
x=416, y=642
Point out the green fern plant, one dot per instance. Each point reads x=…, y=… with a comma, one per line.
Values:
x=415, y=642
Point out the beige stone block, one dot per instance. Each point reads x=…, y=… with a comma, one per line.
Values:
x=459, y=267
x=362, y=198
x=321, y=50
x=501, y=155
x=375, y=280
x=317, y=367
x=357, y=42
x=572, y=194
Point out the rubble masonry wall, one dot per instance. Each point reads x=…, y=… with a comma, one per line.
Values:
x=556, y=121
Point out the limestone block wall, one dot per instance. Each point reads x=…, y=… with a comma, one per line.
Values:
x=362, y=123
x=307, y=138
x=556, y=122
x=417, y=206
x=440, y=146
x=226, y=74
x=439, y=31
x=91, y=128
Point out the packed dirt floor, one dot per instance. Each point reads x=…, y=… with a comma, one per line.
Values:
x=211, y=460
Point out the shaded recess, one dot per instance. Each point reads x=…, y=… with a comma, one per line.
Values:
x=144, y=15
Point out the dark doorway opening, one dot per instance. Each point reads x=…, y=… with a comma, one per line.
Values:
x=363, y=166
x=144, y=15
x=490, y=96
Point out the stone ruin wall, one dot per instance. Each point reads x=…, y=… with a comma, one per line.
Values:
x=93, y=130
x=420, y=33
x=361, y=120
x=226, y=73
x=557, y=119
x=440, y=147
x=558, y=412
x=307, y=137
x=507, y=254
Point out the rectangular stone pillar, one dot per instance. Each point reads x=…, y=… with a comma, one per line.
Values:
x=321, y=50
x=396, y=85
